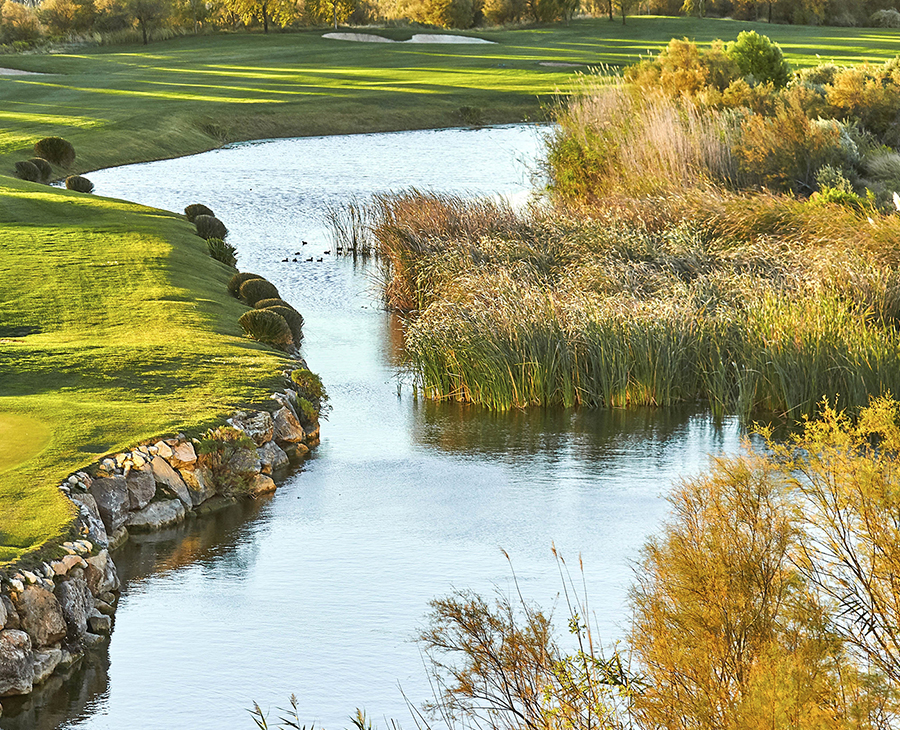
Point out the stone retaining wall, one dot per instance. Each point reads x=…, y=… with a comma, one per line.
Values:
x=49, y=615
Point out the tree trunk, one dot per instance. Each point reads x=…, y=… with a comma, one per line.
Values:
x=143, y=24
x=770, y=13
x=610, y=8
x=334, y=12
x=623, y=13
x=265, y=19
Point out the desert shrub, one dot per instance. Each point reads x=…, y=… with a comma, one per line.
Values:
x=19, y=25
x=234, y=284
x=56, y=150
x=886, y=18
x=41, y=164
x=228, y=454
x=79, y=184
x=821, y=75
x=870, y=95
x=28, y=171
x=758, y=57
x=309, y=386
x=253, y=290
x=222, y=251
x=274, y=302
x=194, y=209
x=292, y=317
x=208, y=226
x=443, y=13
x=499, y=12
x=267, y=327
x=684, y=69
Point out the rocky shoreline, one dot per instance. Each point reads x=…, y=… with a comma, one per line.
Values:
x=52, y=613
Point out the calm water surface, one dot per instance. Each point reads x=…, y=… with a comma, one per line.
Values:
x=319, y=590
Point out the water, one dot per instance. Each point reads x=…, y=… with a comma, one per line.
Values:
x=320, y=590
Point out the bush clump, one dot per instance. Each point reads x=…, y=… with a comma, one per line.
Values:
x=267, y=327
x=208, y=226
x=221, y=251
x=57, y=150
x=253, y=290
x=26, y=170
x=887, y=18
x=309, y=386
x=292, y=317
x=195, y=209
x=224, y=451
x=234, y=285
x=41, y=164
x=79, y=184
x=307, y=412
x=263, y=303
x=757, y=56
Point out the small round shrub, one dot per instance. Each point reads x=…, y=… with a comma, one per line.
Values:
x=253, y=290
x=195, y=209
x=221, y=251
x=208, y=226
x=234, y=286
x=267, y=327
x=57, y=150
x=263, y=303
x=293, y=318
x=79, y=184
x=309, y=386
x=887, y=18
x=757, y=56
x=41, y=164
x=26, y=170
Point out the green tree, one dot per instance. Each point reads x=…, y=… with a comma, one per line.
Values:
x=265, y=11
x=148, y=14
x=757, y=56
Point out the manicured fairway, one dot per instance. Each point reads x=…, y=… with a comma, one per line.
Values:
x=23, y=437
x=123, y=104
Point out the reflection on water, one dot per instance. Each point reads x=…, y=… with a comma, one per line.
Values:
x=319, y=590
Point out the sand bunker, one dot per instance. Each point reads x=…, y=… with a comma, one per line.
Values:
x=18, y=72
x=417, y=38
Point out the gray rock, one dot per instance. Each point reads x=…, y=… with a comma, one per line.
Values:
x=296, y=452
x=16, y=663
x=12, y=616
x=111, y=494
x=3, y=615
x=41, y=616
x=262, y=485
x=118, y=538
x=77, y=603
x=141, y=487
x=100, y=624
x=91, y=640
x=156, y=516
x=257, y=425
x=272, y=458
x=167, y=478
x=90, y=517
x=183, y=455
x=45, y=663
x=200, y=485
x=287, y=428
x=100, y=574
x=244, y=461
x=104, y=608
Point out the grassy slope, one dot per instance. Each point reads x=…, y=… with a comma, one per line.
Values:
x=135, y=337
x=125, y=104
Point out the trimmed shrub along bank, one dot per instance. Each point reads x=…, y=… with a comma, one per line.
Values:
x=51, y=614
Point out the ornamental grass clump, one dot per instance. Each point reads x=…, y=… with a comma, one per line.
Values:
x=234, y=285
x=253, y=290
x=222, y=251
x=229, y=456
x=310, y=387
x=194, y=209
x=56, y=150
x=79, y=184
x=292, y=317
x=267, y=327
x=209, y=226
x=26, y=170
x=41, y=164
x=273, y=302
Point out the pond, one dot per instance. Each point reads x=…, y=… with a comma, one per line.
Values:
x=320, y=590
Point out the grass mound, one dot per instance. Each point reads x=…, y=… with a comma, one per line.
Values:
x=293, y=318
x=26, y=170
x=79, y=184
x=253, y=290
x=41, y=164
x=209, y=226
x=194, y=209
x=267, y=326
x=57, y=150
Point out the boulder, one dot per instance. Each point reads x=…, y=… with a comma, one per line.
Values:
x=244, y=461
x=118, y=538
x=296, y=452
x=45, y=663
x=41, y=616
x=12, y=616
x=141, y=487
x=272, y=458
x=111, y=494
x=167, y=478
x=100, y=574
x=100, y=624
x=90, y=517
x=156, y=516
x=163, y=449
x=257, y=425
x=262, y=485
x=16, y=663
x=287, y=428
x=183, y=455
x=2, y=615
x=77, y=603
x=199, y=484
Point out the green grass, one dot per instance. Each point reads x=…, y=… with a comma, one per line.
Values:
x=125, y=104
x=133, y=335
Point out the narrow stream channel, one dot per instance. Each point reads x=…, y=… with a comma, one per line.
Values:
x=319, y=590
